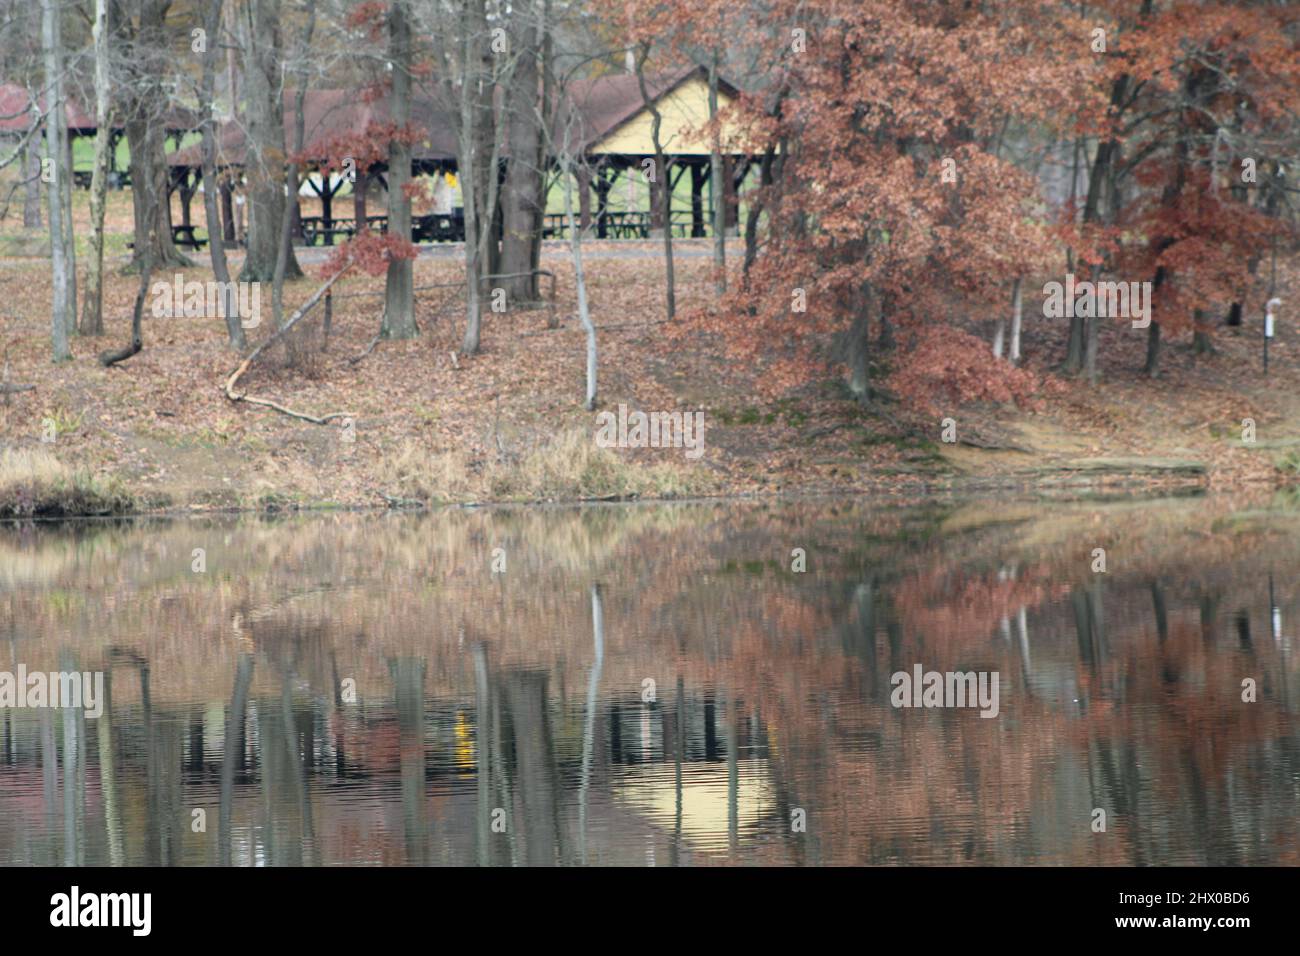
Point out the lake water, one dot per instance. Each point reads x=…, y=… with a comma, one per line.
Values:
x=659, y=685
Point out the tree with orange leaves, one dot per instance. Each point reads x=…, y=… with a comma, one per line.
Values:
x=894, y=204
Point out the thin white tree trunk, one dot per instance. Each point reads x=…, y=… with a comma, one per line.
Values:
x=92, y=316
x=1016, y=313
x=575, y=243
x=65, y=198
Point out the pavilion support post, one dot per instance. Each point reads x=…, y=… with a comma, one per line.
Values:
x=657, y=223
x=327, y=207
x=584, y=198
x=187, y=195
x=227, y=211
x=602, y=202
x=699, y=173
x=730, y=207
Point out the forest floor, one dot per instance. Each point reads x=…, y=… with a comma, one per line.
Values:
x=158, y=433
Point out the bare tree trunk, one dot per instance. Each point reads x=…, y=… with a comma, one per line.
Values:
x=717, y=188
x=285, y=247
x=54, y=122
x=1083, y=333
x=479, y=147
x=1094, y=330
x=232, y=55
x=149, y=176
x=1202, y=344
x=216, y=231
x=1152, y=365
x=69, y=231
x=755, y=209
x=146, y=55
x=265, y=169
x=399, y=291
x=859, y=344
x=490, y=133
x=544, y=67
x=92, y=314
x=665, y=192
x=468, y=186
x=31, y=185
x=524, y=194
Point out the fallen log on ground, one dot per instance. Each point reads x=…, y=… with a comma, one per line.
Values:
x=279, y=334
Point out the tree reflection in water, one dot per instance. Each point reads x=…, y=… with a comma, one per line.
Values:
x=505, y=719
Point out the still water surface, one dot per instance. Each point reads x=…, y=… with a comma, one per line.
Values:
x=656, y=685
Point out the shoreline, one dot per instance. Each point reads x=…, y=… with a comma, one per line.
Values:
x=1105, y=486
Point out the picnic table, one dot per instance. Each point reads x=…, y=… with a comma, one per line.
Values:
x=184, y=236
x=439, y=227
x=612, y=225
x=314, y=228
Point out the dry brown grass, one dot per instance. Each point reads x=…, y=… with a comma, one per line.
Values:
x=569, y=466
x=35, y=484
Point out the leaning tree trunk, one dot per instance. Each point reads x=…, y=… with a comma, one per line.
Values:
x=57, y=158
x=92, y=311
x=717, y=188
x=399, y=291
x=665, y=191
x=133, y=347
x=264, y=114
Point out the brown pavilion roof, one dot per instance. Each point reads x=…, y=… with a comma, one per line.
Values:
x=17, y=113
x=595, y=107
x=327, y=116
